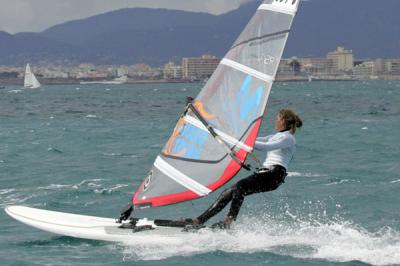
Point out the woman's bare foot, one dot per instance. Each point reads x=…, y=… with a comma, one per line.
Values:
x=225, y=224
x=227, y=221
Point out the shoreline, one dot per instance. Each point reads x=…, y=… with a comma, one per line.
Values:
x=20, y=82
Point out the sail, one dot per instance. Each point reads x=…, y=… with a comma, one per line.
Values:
x=212, y=139
x=30, y=80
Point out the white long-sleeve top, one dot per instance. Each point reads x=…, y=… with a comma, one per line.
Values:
x=280, y=148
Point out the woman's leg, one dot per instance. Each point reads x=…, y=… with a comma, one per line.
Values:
x=260, y=182
x=217, y=206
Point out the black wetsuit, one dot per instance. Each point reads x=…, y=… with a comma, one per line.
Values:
x=262, y=181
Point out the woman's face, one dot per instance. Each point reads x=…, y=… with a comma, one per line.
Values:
x=279, y=123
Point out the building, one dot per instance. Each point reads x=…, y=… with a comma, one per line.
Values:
x=172, y=71
x=198, y=68
x=290, y=66
x=341, y=60
x=393, y=66
x=144, y=72
x=122, y=71
x=55, y=72
x=366, y=70
x=314, y=66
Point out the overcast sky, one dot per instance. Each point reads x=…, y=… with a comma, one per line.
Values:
x=38, y=15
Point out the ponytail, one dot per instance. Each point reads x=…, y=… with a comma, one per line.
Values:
x=292, y=120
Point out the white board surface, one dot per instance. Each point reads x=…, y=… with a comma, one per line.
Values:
x=87, y=227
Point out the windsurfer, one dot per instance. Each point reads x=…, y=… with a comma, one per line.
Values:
x=280, y=149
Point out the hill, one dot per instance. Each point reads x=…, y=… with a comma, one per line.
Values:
x=155, y=36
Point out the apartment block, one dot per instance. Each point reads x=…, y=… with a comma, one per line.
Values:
x=197, y=68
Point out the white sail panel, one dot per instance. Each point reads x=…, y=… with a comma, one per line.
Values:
x=28, y=77
x=237, y=97
x=30, y=80
x=35, y=82
x=261, y=46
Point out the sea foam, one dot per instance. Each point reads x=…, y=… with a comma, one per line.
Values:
x=333, y=241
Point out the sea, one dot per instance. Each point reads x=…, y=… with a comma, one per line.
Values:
x=85, y=149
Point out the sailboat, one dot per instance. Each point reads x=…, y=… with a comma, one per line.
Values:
x=212, y=139
x=30, y=80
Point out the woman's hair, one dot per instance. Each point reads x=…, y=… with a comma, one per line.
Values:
x=292, y=120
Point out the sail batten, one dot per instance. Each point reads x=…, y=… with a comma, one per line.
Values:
x=262, y=37
x=247, y=70
x=229, y=139
x=211, y=141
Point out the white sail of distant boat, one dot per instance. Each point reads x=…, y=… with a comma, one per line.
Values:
x=30, y=80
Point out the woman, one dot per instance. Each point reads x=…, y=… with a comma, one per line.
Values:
x=280, y=149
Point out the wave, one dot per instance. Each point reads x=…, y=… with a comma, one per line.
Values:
x=338, y=181
x=12, y=197
x=84, y=183
x=15, y=91
x=110, y=190
x=333, y=241
x=332, y=181
x=54, y=187
x=296, y=174
x=54, y=150
x=93, y=185
x=6, y=191
x=120, y=155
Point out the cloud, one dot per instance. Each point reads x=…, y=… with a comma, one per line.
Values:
x=37, y=15
x=219, y=6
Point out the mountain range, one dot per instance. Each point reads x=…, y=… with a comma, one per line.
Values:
x=156, y=36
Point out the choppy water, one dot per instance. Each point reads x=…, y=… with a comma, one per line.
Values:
x=84, y=149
